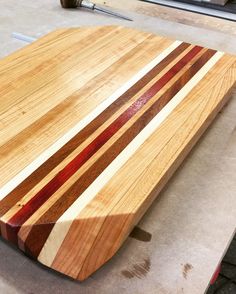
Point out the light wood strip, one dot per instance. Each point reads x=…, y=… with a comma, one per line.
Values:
x=82, y=160
x=116, y=223
x=46, y=255
x=77, y=188
x=112, y=143
x=86, y=141
x=8, y=187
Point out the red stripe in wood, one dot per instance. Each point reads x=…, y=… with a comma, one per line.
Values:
x=46, y=222
x=44, y=194
x=28, y=184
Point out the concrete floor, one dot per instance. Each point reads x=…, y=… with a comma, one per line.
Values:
x=192, y=220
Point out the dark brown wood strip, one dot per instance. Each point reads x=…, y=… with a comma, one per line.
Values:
x=10, y=200
x=73, y=166
x=50, y=217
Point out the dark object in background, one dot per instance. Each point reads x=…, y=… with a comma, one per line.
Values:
x=228, y=6
x=226, y=281
x=69, y=3
x=92, y=6
x=227, y=12
x=215, y=2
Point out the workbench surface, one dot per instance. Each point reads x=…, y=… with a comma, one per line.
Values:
x=187, y=230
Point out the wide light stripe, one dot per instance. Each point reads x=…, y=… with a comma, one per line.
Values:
x=61, y=228
x=27, y=171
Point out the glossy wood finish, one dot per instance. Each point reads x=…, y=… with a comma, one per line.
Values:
x=94, y=122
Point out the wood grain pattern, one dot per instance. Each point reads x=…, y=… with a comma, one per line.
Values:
x=92, y=127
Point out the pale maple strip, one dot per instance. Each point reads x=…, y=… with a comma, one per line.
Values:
x=65, y=115
x=26, y=228
x=111, y=221
x=52, y=174
x=15, y=181
x=61, y=228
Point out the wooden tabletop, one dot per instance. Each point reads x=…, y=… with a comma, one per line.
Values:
x=94, y=122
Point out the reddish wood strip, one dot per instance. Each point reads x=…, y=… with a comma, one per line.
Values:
x=43, y=195
x=85, y=180
x=69, y=214
x=15, y=196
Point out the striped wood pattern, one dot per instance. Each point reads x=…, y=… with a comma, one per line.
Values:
x=93, y=123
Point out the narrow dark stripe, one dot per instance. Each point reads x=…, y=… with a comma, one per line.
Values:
x=28, y=184
x=44, y=194
x=70, y=169
x=34, y=247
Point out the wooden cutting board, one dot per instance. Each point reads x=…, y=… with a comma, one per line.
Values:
x=94, y=122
